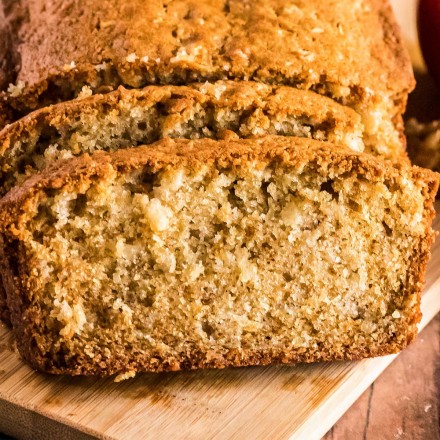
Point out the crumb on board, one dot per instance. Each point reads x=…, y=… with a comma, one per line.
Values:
x=124, y=376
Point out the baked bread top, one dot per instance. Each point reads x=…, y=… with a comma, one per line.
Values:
x=350, y=50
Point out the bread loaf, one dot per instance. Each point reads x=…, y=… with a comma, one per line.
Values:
x=349, y=50
x=194, y=254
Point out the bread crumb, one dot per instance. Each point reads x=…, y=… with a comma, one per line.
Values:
x=69, y=67
x=166, y=260
x=108, y=23
x=341, y=92
x=183, y=54
x=293, y=9
x=125, y=310
x=124, y=376
x=194, y=272
x=131, y=58
x=74, y=317
x=16, y=90
x=291, y=214
x=172, y=180
x=157, y=215
x=86, y=91
x=239, y=53
x=248, y=270
x=306, y=55
x=180, y=56
x=100, y=67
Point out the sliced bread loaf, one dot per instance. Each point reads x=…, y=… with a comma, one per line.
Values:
x=127, y=118
x=349, y=50
x=196, y=254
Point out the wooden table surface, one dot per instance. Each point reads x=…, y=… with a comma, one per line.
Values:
x=404, y=402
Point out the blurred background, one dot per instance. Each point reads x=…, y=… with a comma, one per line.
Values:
x=420, y=20
x=424, y=102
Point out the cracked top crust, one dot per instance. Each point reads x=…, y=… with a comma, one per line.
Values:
x=349, y=50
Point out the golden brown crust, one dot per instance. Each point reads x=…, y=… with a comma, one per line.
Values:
x=6, y=271
x=70, y=175
x=318, y=45
x=6, y=68
x=395, y=60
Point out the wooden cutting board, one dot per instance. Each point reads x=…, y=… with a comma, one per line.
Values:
x=298, y=402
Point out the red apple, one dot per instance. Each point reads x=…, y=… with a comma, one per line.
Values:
x=428, y=23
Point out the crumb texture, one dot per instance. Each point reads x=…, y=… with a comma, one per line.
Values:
x=252, y=253
x=128, y=118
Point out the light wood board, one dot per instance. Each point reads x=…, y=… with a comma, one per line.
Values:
x=298, y=402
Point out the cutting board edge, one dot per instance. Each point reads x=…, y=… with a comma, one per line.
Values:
x=31, y=421
x=324, y=417
x=430, y=308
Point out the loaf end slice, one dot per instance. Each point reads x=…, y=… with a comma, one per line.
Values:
x=200, y=254
x=126, y=118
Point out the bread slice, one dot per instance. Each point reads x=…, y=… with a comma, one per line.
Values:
x=126, y=118
x=197, y=254
x=349, y=50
